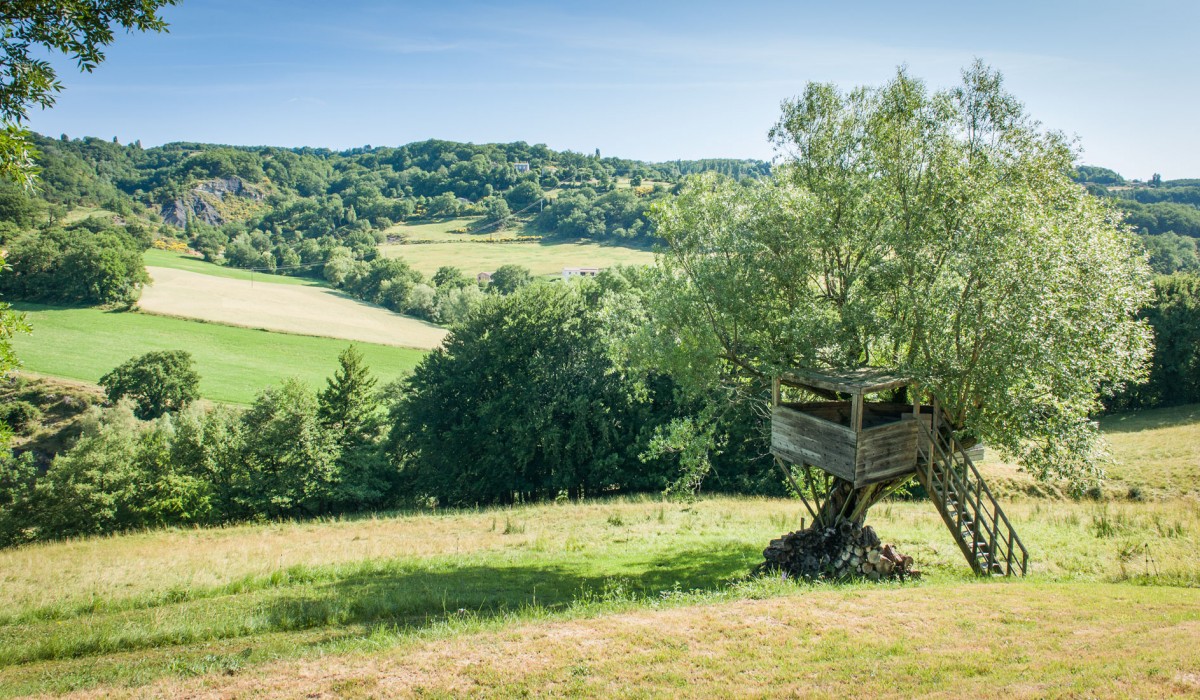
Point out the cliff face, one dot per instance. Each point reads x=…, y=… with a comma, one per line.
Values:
x=213, y=202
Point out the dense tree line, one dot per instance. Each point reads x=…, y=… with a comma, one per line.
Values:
x=1165, y=213
x=618, y=215
x=1174, y=315
x=526, y=400
x=90, y=262
x=1163, y=217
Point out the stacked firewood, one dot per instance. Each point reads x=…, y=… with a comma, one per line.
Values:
x=847, y=550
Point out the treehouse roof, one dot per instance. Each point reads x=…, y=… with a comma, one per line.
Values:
x=864, y=380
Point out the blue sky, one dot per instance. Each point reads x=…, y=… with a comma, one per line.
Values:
x=647, y=80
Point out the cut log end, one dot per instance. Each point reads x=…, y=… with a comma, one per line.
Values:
x=847, y=550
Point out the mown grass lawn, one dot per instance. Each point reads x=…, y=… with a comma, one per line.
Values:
x=234, y=363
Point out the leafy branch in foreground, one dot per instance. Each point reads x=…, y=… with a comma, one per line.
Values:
x=80, y=29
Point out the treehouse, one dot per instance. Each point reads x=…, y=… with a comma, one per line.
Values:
x=863, y=442
x=873, y=438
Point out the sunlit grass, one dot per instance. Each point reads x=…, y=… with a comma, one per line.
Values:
x=164, y=258
x=542, y=258
x=234, y=363
x=88, y=609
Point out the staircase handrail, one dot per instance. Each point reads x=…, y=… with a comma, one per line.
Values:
x=971, y=490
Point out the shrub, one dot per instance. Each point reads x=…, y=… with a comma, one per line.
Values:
x=21, y=416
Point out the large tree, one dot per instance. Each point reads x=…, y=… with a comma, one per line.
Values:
x=161, y=381
x=935, y=233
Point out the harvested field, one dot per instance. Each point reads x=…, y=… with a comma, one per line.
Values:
x=278, y=307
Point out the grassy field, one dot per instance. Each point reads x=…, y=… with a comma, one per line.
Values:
x=1155, y=454
x=318, y=311
x=622, y=597
x=445, y=231
x=234, y=363
x=176, y=261
x=541, y=258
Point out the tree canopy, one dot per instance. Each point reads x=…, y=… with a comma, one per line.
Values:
x=158, y=382
x=937, y=233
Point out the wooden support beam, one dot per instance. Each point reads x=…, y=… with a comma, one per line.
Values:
x=788, y=474
x=856, y=412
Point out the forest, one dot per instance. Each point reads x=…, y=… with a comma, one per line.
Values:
x=1166, y=213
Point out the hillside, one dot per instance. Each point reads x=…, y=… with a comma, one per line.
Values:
x=1166, y=214
x=221, y=191
x=603, y=596
x=234, y=363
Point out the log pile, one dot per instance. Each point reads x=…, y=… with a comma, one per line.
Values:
x=847, y=550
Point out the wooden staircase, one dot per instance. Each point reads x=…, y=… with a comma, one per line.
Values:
x=984, y=534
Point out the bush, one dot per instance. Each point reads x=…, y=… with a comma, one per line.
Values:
x=523, y=401
x=21, y=416
x=118, y=476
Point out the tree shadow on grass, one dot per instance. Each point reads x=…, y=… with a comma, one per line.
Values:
x=415, y=599
x=398, y=597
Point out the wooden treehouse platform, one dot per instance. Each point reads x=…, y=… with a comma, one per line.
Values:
x=867, y=443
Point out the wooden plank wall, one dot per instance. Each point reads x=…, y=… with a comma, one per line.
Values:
x=803, y=439
x=885, y=452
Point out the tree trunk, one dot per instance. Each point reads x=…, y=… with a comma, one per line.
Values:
x=844, y=501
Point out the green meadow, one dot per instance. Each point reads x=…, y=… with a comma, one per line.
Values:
x=234, y=363
x=164, y=258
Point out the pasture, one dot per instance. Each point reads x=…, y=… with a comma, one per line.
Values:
x=289, y=308
x=627, y=596
x=542, y=258
x=234, y=363
x=176, y=261
x=452, y=230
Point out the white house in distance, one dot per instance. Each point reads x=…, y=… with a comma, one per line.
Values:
x=570, y=272
x=521, y=168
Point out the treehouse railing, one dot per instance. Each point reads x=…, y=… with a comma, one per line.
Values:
x=981, y=529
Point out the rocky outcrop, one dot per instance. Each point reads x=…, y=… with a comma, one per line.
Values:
x=204, y=201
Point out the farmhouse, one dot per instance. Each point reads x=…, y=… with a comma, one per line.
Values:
x=483, y=277
x=570, y=272
x=521, y=168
